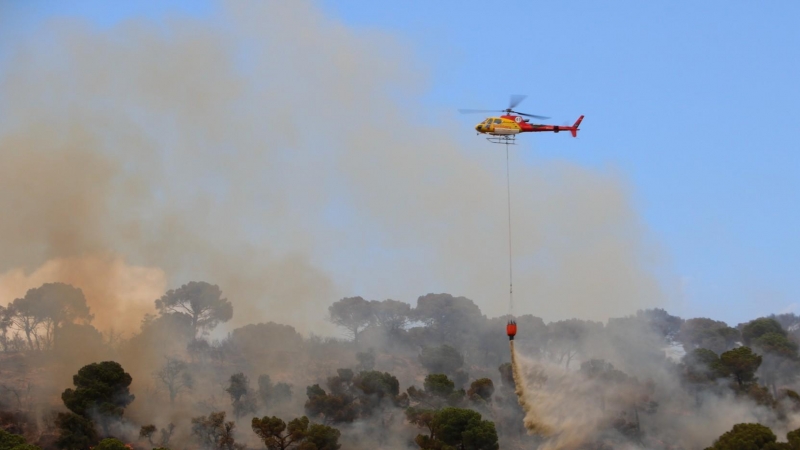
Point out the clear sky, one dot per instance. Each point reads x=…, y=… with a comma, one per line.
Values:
x=695, y=103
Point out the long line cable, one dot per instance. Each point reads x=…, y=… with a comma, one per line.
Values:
x=510, y=260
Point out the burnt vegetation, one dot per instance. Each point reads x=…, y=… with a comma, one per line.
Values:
x=431, y=376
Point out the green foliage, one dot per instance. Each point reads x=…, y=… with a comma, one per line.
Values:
x=794, y=439
x=322, y=437
x=111, y=444
x=756, y=328
x=702, y=365
x=335, y=408
x=100, y=388
x=276, y=435
x=147, y=432
x=481, y=390
x=443, y=359
x=8, y=441
x=28, y=447
x=740, y=363
x=299, y=433
x=214, y=432
x=463, y=428
x=421, y=417
x=438, y=390
x=353, y=396
x=745, y=436
x=200, y=302
x=714, y=335
x=241, y=397
x=439, y=385
x=777, y=344
x=75, y=432
x=453, y=428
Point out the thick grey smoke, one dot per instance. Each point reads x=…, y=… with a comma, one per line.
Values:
x=267, y=152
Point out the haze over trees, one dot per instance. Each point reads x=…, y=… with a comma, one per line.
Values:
x=432, y=376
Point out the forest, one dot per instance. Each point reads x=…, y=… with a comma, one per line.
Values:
x=435, y=375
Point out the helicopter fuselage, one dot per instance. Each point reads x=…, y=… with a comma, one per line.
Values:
x=511, y=124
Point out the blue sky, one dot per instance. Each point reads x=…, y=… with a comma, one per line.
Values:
x=696, y=104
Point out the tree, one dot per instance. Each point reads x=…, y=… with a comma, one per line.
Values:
x=449, y=319
x=273, y=393
x=8, y=441
x=667, y=325
x=147, y=432
x=794, y=439
x=214, y=432
x=777, y=344
x=745, y=436
x=481, y=390
x=756, y=328
x=351, y=313
x=391, y=315
x=780, y=358
x=101, y=389
x=701, y=368
x=111, y=444
x=299, y=433
x=321, y=437
x=44, y=310
x=565, y=339
x=201, y=302
x=241, y=397
x=58, y=304
x=24, y=315
x=507, y=375
x=740, y=363
x=353, y=396
x=455, y=427
x=373, y=388
x=443, y=359
x=5, y=324
x=75, y=432
x=714, y=335
x=702, y=362
x=438, y=390
x=175, y=377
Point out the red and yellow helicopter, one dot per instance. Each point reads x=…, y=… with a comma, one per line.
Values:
x=503, y=129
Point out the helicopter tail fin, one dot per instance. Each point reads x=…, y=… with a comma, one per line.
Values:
x=574, y=128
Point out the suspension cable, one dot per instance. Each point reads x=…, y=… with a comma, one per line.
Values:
x=510, y=263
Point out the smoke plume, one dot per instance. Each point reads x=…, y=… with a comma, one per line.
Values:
x=280, y=166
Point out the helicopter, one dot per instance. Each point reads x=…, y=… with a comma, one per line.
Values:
x=503, y=129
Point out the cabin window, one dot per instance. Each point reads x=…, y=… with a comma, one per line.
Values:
x=496, y=121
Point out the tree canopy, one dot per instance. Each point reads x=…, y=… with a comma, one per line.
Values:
x=100, y=388
x=351, y=313
x=201, y=302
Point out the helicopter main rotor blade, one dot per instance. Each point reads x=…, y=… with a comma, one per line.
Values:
x=515, y=100
x=530, y=115
x=471, y=111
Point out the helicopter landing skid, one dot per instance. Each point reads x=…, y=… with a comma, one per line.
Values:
x=510, y=139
